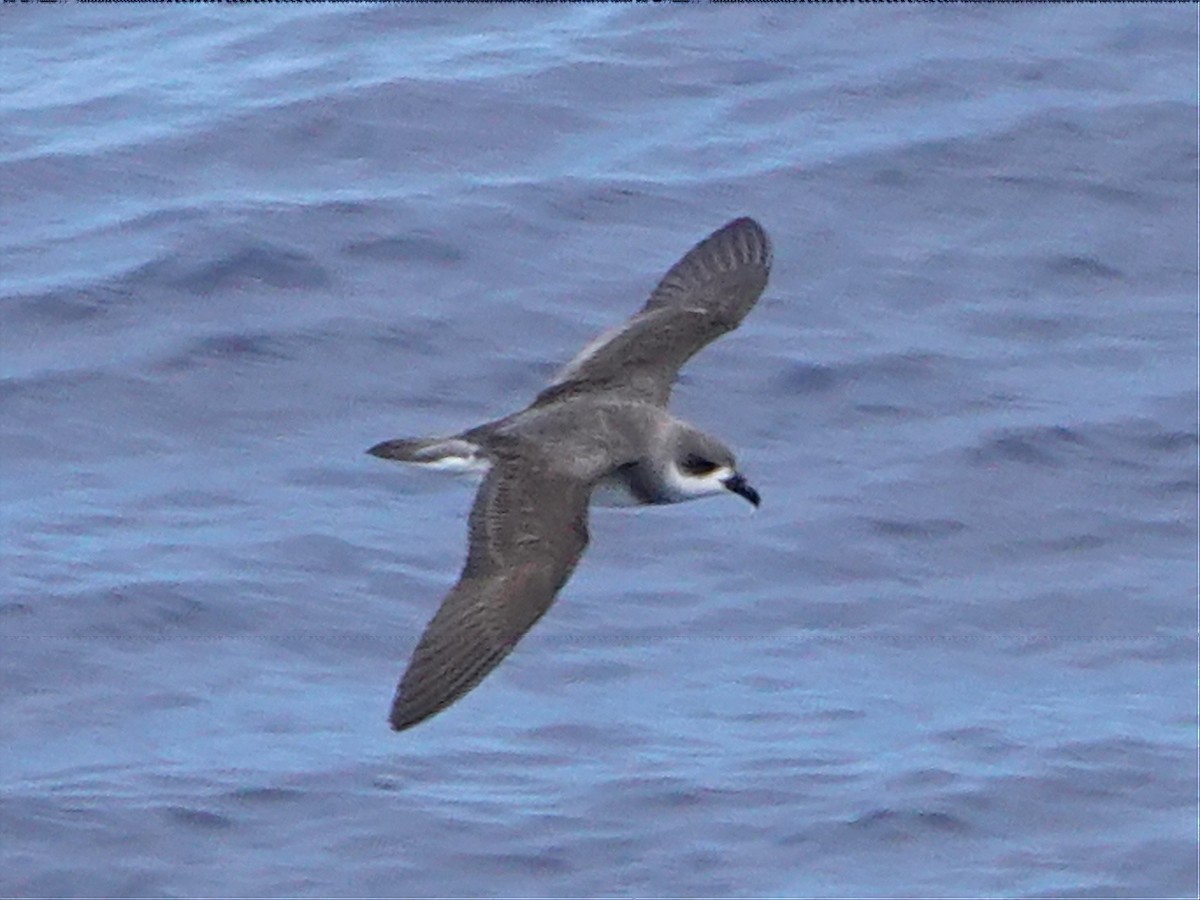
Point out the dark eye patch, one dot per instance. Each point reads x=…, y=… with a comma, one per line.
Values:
x=698, y=465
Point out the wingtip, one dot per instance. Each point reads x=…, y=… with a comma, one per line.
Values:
x=745, y=222
x=740, y=243
x=755, y=243
x=401, y=719
x=742, y=223
x=409, y=709
x=387, y=449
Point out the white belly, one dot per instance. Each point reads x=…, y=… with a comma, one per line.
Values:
x=471, y=467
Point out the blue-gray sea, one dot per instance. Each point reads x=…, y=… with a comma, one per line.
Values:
x=953, y=655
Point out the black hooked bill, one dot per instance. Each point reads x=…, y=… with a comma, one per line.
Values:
x=741, y=487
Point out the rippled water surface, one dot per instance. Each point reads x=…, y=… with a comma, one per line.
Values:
x=954, y=654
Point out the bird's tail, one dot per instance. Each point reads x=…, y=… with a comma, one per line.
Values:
x=453, y=454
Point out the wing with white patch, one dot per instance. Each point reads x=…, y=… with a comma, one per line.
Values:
x=704, y=295
x=528, y=529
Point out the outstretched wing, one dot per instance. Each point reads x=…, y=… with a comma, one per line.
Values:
x=703, y=296
x=528, y=529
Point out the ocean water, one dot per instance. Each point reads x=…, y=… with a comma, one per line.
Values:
x=954, y=654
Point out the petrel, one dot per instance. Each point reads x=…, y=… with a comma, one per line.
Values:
x=599, y=432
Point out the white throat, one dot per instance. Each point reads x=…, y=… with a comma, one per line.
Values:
x=681, y=486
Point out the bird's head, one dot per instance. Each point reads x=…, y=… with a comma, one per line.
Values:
x=701, y=466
